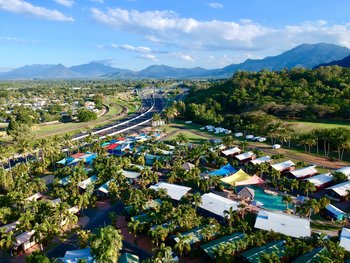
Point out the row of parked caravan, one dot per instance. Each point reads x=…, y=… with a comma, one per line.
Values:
x=216, y=130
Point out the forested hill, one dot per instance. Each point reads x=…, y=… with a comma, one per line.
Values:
x=295, y=93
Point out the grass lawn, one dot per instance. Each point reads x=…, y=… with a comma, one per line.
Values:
x=304, y=126
x=319, y=223
x=193, y=138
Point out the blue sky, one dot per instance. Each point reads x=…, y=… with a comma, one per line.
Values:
x=183, y=33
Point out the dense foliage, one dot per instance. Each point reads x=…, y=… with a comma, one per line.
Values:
x=295, y=93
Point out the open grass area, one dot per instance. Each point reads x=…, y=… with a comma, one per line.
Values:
x=193, y=138
x=304, y=126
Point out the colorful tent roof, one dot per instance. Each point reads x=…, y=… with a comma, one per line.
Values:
x=112, y=146
x=237, y=177
x=224, y=171
x=253, y=180
x=77, y=155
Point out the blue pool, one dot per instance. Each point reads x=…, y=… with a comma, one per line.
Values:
x=272, y=202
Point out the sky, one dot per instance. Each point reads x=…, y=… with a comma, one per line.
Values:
x=134, y=34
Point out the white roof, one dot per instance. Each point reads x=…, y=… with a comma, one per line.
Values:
x=84, y=184
x=281, y=223
x=9, y=227
x=73, y=209
x=335, y=210
x=55, y=201
x=283, y=165
x=105, y=187
x=260, y=160
x=165, y=152
x=341, y=189
x=130, y=174
x=244, y=156
x=345, y=170
x=231, y=151
x=34, y=197
x=345, y=238
x=217, y=204
x=320, y=179
x=175, y=191
x=304, y=171
x=23, y=238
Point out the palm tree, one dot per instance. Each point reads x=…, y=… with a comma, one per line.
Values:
x=269, y=258
x=311, y=206
x=244, y=145
x=7, y=240
x=24, y=148
x=229, y=216
x=308, y=187
x=36, y=257
x=106, y=245
x=163, y=253
x=197, y=199
x=183, y=244
x=83, y=237
x=323, y=202
x=287, y=199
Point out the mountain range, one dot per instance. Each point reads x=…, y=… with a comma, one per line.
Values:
x=345, y=62
x=305, y=55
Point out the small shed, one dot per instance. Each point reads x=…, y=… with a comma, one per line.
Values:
x=335, y=213
x=247, y=193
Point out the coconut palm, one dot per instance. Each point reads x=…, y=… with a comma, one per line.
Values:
x=311, y=206
x=106, y=245
x=163, y=253
x=83, y=237
x=269, y=258
x=287, y=199
x=308, y=187
x=229, y=216
x=182, y=245
x=36, y=257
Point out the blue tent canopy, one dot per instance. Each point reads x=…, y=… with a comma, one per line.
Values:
x=224, y=171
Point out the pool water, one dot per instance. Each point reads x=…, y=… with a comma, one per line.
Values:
x=272, y=202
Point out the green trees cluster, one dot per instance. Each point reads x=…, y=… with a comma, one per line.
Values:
x=85, y=115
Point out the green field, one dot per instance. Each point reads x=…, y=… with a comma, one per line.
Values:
x=304, y=126
x=193, y=138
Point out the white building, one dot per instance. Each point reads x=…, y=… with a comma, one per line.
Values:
x=217, y=204
x=281, y=223
x=283, y=166
x=345, y=238
x=232, y=151
x=175, y=191
x=261, y=160
x=304, y=172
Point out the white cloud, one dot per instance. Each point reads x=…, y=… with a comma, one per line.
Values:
x=215, y=5
x=97, y=1
x=67, y=3
x=149, y=57
x=23, y=7
x=132, y=48
x=184, y=57
x=246, y=36
x=15, y=40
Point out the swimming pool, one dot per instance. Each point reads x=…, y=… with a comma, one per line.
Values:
x=272, y=202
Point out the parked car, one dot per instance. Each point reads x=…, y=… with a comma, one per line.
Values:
x=276, y=146
x=188, y=122
x=238, y=134
x=249, y=137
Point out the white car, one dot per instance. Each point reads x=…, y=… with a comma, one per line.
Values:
x=202, y=128
x=262, y=139
x=249, y=137
x=238, y=134
x=276, y=146
x=188, y=122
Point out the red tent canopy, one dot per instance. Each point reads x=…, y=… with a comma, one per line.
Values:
x=112, y=146
x=253, y=180
x=77, y=155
